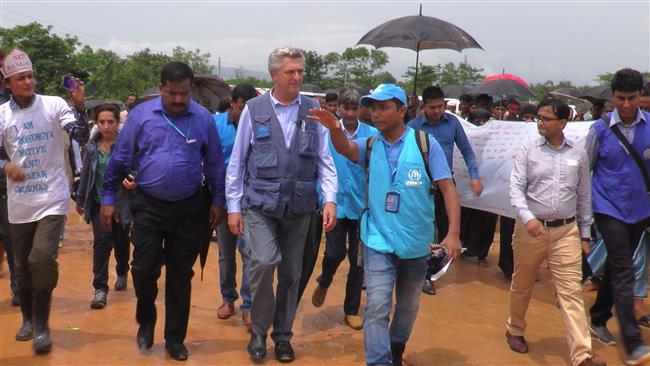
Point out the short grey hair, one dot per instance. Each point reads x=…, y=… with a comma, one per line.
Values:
x=349, y=96
x=278, y=54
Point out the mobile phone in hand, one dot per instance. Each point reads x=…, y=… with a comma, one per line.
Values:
x=69, y=83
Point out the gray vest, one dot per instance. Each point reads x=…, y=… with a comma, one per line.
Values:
x=278, y=180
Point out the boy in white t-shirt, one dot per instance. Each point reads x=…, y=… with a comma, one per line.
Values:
x=32, y=128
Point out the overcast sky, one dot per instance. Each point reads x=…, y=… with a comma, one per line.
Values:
x=538, y=40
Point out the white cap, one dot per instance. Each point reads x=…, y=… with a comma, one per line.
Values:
x=15, y=62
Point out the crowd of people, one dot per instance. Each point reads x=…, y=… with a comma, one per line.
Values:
x=271, y=172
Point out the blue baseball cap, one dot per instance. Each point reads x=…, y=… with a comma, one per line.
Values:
x=384, y=92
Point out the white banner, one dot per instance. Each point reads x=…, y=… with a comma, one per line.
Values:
x=495, y=145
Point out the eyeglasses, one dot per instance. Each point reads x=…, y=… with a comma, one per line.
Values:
x=545, y=119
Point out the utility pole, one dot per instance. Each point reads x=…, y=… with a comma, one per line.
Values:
x=219, y=67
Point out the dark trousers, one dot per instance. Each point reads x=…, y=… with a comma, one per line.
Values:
x=6, y=239
x=103, y=242
x=36, y=246
x=335, y=253
x=506, y=262
x=477, y=231
x=617, y=287
x=310, y=255
x=166, y=233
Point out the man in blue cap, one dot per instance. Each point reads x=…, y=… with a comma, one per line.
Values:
x=398, y=224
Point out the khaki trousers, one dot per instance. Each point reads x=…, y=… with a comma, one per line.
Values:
x=561, y=247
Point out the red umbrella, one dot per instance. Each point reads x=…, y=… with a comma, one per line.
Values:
x=505, y=77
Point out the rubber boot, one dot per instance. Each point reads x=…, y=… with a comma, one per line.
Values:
x=42, y=343
x=26, y=330
x=397, y=350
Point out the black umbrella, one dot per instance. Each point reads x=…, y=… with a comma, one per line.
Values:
x=209, y=91
x=311, y=88
x=500, y=87
x=454, y=91
x=419, y=33
x=597, y=94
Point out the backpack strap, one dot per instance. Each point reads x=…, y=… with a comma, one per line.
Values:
x=369, y=143
x=422, y=140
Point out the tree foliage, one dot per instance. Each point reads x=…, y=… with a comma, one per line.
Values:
x=241, y=78
x=441, y=75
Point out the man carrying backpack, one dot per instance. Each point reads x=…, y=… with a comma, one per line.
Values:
x=397, y=225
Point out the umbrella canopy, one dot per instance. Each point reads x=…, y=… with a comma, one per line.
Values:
x=505, y=76
x=454, y=91
x=419, y=33
x=311, y=88
x=565, y=92
x=209, y=91
x=597, y=94
x=501, y=87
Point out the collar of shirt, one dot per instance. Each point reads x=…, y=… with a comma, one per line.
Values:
x=400, y=139
x=276, y=102
x=191, y=109
x=13, y=105
x=349, y=134
x=616, y=118
x=442, y=120
x=567, y=142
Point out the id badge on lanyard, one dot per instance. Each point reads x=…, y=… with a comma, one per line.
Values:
x=392, y=202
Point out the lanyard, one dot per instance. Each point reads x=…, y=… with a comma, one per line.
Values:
x=392, y=172
x=186, y=136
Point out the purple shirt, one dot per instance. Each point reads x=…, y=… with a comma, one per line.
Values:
x=170, y=162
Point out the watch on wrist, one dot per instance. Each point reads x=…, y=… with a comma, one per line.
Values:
x=585, y=239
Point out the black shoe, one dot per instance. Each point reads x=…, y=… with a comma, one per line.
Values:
x=99, y=299
x=428, y=287
x=145, y=336
x=257, y=347
x=284, y=351
x=15, y=300
x=397, y=351
x=42, y=343
x=26, y=331
x=120, y=283
x=177, y=351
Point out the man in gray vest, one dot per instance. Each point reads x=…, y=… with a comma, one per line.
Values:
x=271, y=191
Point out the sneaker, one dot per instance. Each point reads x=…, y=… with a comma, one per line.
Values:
x=639, y=355
x=428, y=287
x=99, y=301
x=354, y=321
x=318, y=297
x=602, y=334
x=120, y=283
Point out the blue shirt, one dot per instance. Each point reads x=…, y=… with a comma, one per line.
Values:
x=227, y=132
x=437, y=165
x=169, y=166
x=447, y=132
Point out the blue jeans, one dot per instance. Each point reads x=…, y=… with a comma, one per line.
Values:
x=384, y=272
x=228, y=245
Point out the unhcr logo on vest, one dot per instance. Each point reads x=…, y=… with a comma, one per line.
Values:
x=415, y=178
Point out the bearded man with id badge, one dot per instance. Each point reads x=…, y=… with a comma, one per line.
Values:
x=398, y=223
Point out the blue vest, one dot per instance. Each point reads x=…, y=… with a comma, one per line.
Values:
x=617, y=184
x=278, y=180
x=408, y=232
x=227, y=133
x=352, y=180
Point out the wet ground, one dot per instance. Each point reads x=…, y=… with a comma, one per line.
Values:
x=462, y=325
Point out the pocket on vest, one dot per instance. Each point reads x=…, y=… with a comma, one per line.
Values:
x=304, y=197
x=264, y=195
x=266, y=161
x=307, y=144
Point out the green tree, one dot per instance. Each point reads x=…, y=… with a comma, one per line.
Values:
x=441, y=75
x=606, y=79
x=316, y=69
x=358, y=66
x=199, y=62
x=241, y=78
x=51, y=55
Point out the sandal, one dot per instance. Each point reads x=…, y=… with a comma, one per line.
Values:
x=644, y=321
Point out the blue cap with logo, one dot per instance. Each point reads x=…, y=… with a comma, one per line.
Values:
x=382, y=93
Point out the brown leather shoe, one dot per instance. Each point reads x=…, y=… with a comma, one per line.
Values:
x=593, y=361
x=354, y=321
x=517, y=343
x=246, y=317
x=226, y=310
